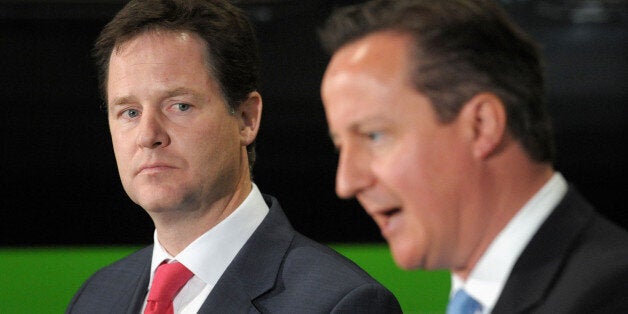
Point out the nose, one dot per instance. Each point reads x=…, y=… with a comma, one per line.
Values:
x=353, y=174
x=152, y=133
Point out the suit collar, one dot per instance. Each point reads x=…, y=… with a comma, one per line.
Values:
x=543, y=258
x=223, y=241
x=490, y=273
x=137, y=266
x=254, y=270
x=139, y=293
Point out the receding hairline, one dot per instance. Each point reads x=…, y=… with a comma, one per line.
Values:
x=157, y=30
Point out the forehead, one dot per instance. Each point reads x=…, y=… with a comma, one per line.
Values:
x=374, y=67
x=157, y=60
x=368, y=85
x=370, y=74
x=382, y=54
x=148, y=45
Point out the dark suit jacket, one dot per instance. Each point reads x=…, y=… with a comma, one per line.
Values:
x=277, y=271
x=577, y=262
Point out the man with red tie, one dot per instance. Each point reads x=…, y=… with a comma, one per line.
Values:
x=180, y=80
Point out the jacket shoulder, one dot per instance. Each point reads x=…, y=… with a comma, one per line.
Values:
x=324, y=280
x=594, y=278
x=576, y=263
x=115, y=286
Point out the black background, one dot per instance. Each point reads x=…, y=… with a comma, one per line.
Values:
x=60, y=185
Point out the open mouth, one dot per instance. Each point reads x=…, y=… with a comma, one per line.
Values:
x=388, y=221
x=391, y=212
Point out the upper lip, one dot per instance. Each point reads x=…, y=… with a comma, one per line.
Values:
x=382, y=216
x=387, y=211
x=380, y=210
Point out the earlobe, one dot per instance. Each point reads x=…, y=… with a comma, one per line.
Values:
x=489, y=124
x=250, y=113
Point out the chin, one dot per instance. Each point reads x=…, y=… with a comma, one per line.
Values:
x=157, y=203
x=154, y=208
x=157, y=198
x=406, y=257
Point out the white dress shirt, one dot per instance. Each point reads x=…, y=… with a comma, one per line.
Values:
x=488, y=277
x=211, y=253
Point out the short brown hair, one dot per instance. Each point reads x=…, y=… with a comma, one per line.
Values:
x=232, y=51
x=461, y=48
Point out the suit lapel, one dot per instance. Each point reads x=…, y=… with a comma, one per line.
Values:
x=135, y=275
x=139, y=292
x=254, y=270
x=543, y=258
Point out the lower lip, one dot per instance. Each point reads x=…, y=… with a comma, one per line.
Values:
x=153, y=170
x=392, y=224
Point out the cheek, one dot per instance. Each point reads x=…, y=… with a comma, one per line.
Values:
x=212, y=148
x=405, y=172
x=120, y=139
x=122, y=152
x=426, y=171
x=423, y=186
x=118, y=150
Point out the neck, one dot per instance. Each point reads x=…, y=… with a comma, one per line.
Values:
x=506, y=184
x=176, y=229
x=176, y=233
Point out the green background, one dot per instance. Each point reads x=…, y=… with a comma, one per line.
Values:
x=43, y=280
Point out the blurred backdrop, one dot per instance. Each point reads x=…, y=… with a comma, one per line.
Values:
x=59, y=180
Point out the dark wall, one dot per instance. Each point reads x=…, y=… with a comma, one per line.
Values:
x=59, y=180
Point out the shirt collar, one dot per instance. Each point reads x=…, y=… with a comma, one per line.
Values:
x=210, y=254
x=487, y=279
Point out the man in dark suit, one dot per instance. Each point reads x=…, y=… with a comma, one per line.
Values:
x=437, y=110
x=180, y=79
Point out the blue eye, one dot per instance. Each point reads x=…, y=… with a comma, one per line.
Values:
x=131, y=113
x=182, y=106
x=374, y=136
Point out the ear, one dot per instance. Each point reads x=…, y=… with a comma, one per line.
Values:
x=250, y=115
x=486, y=115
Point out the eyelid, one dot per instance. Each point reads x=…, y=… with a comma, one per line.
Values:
x=124, y=112
x=372, y=135
x=175, y=106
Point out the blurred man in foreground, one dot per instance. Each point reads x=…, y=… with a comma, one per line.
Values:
x=437, y=109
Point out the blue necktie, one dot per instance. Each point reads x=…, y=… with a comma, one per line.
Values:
x=462, y=303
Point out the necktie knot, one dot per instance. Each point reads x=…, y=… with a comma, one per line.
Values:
x=168, y=280
x=462, y=303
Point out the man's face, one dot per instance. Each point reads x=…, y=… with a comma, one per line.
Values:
x=403, y=165
x=176, y=145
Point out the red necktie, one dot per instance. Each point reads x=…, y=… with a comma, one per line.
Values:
x=168, y=280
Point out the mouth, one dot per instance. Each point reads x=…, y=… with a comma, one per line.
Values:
x=391, y=212
x=154, y=168
x=388, y=220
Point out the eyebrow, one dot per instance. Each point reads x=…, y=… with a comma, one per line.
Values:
x=358, y=125
x=122, y=100
x=180, y=91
